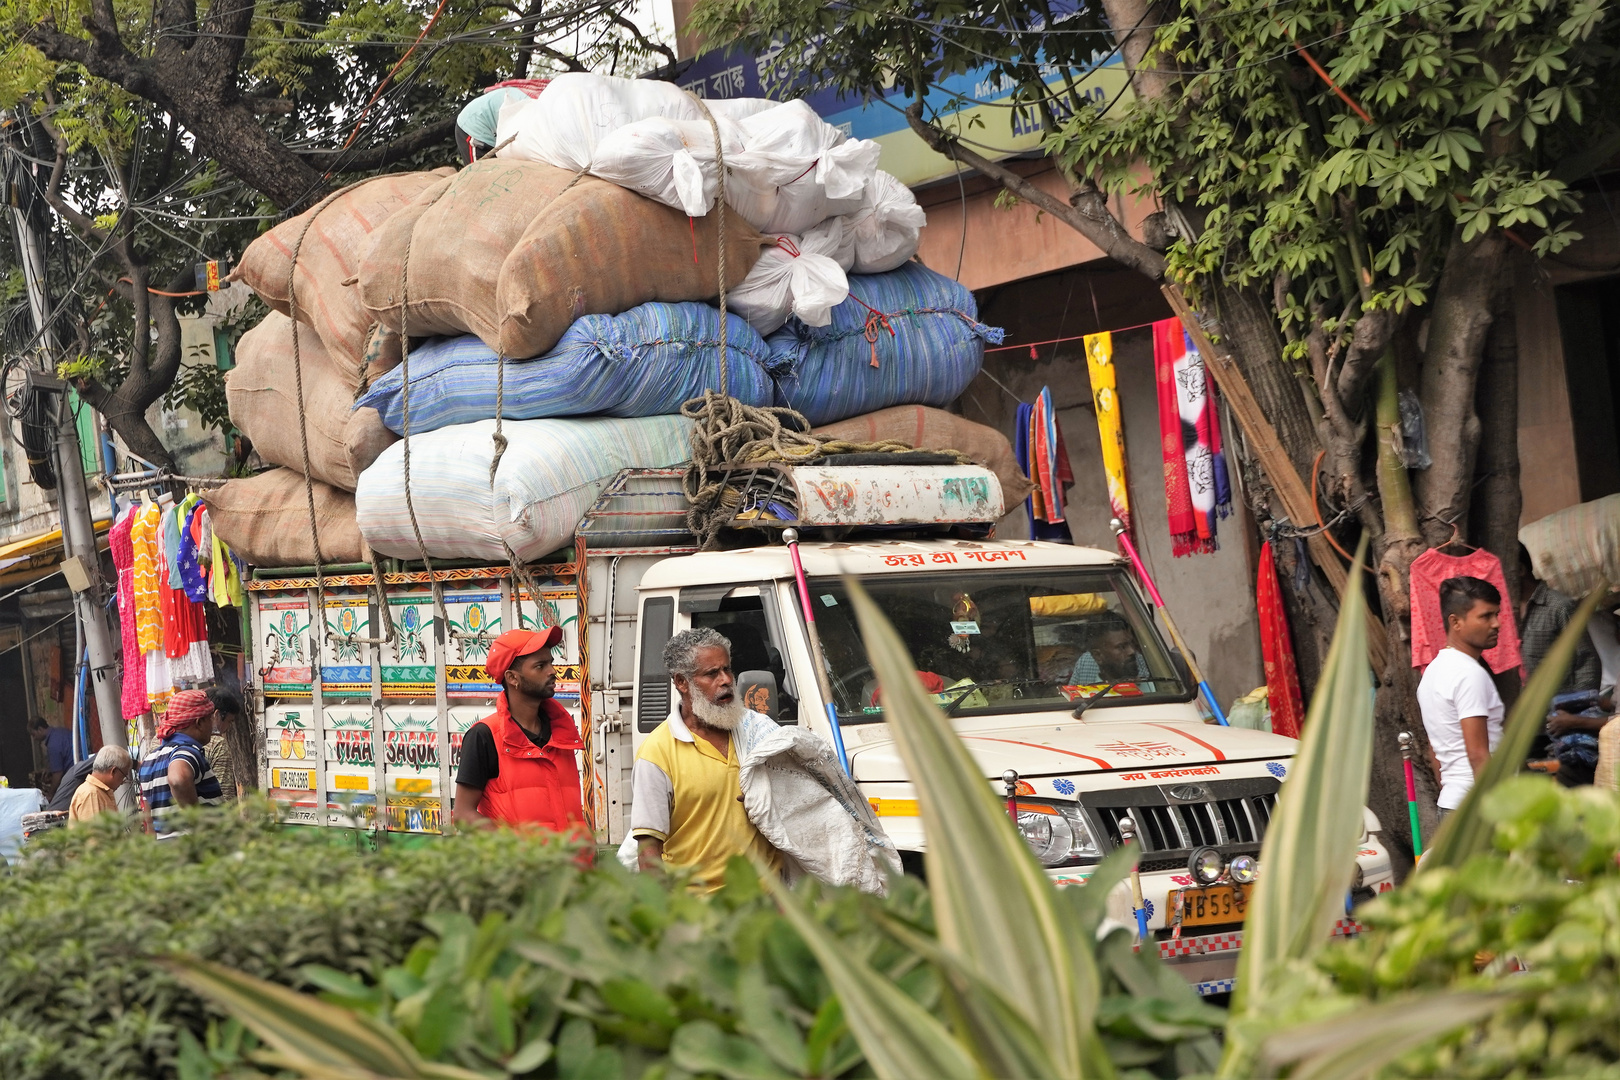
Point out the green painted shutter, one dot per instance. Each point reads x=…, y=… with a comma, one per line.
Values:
x=84, y=418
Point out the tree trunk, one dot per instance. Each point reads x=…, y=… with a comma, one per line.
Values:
x=1249, y=325
x=1498, y=500
x=1451, y=358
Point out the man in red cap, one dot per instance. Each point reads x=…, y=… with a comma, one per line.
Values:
x=517, y=766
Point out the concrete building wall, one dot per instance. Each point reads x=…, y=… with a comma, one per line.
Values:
x=1210, y=596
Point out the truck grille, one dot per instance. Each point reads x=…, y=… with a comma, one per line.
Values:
x=1234, y=816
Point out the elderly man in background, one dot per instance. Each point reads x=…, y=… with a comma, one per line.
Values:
x=98, y=794
x=687, y=808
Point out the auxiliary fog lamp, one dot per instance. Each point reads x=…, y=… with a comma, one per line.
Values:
x=1207, y=866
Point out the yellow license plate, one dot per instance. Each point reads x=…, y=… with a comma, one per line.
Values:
x=1212, y=905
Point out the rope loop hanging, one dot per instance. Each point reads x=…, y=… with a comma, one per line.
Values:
x=327, y=633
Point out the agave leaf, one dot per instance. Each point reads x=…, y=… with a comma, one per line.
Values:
x=312, y=1034
x=1339, y=1048
x=995, y=909
x=1464, y=833
x=900, y=1038
x=1000, y=1037
x=1308, y=859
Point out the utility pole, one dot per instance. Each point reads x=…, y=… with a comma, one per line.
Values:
x=81, y=562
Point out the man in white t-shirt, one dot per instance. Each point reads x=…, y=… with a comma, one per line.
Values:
x=1462, y=711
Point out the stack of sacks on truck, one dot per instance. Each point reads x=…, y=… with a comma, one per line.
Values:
x=335, y=349
x=564, y=293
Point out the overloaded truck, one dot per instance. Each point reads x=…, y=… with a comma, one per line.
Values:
x=364, y=710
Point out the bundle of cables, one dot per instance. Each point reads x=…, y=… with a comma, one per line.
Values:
x=35, y=409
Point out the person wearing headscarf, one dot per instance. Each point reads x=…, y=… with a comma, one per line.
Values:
x=518, y=765
x=177, y=773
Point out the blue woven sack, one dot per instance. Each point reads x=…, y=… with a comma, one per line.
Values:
x=908, y=337
x=644, y=362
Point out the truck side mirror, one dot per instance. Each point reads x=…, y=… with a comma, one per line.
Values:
x=757, y=691
x=1183, y=671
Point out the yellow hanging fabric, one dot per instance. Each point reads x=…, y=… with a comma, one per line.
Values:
x=224, y=581
x=1110, y=424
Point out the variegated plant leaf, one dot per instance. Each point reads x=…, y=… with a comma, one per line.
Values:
x=901, y=1039
x=996, y=911
x=1308, y=860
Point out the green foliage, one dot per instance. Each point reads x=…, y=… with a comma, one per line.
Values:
x=83, y=917
x=1471, y=105
x=1536, y=917
x=81, y=367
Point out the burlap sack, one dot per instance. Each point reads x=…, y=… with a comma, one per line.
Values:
x=265, y=520
x=458, y=234
x=364, y=438
x=262, y=395
x=924, y=428
x=382, y=354
x=600, y=249
x=330, y=255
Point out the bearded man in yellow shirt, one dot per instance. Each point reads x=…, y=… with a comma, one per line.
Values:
x=687, y=808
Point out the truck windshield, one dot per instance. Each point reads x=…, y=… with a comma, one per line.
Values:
x=998, y=641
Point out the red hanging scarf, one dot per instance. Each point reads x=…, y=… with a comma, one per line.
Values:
x=1277, y=649
x=1167, y=347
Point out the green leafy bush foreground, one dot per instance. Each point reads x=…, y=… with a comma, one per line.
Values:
x=1537, y=917
x=496, y=952
x=83, y=916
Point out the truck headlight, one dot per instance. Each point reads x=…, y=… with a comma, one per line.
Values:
x=1057, y=834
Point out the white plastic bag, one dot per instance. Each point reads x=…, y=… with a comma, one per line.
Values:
x=672, y=161
x=739, y=108
x=800, y=276
x=564, y=125
x=886, y=229
x=796, y=170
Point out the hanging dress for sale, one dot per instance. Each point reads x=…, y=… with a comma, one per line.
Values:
x=185, y=628
x=133, y=700
x=148, y=577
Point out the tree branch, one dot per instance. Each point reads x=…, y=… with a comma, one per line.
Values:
x=375, y=157
x=1086, y=213
x=103, y=56
x=217, y=52
x=1372, y=335
x=641, y=38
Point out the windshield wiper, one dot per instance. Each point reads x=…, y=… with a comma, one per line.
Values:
x=951, y=706
x=1080, y=709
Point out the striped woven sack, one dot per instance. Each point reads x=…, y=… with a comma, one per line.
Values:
x=645, y=362
x=908, y=337
x=548, y=477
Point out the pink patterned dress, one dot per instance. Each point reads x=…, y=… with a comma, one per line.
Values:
x=133, y=699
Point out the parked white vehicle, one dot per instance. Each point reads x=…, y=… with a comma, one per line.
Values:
x=1002, y=631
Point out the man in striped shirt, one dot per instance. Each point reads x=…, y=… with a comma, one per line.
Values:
x=177, y=773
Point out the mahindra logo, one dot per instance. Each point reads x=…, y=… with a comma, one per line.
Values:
x=1188, y=793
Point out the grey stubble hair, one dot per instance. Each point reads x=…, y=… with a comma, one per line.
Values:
x=680, y=654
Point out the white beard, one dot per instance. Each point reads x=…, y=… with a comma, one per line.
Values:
x=719, y=717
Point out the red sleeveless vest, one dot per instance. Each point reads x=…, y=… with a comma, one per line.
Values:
x=536, y=785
